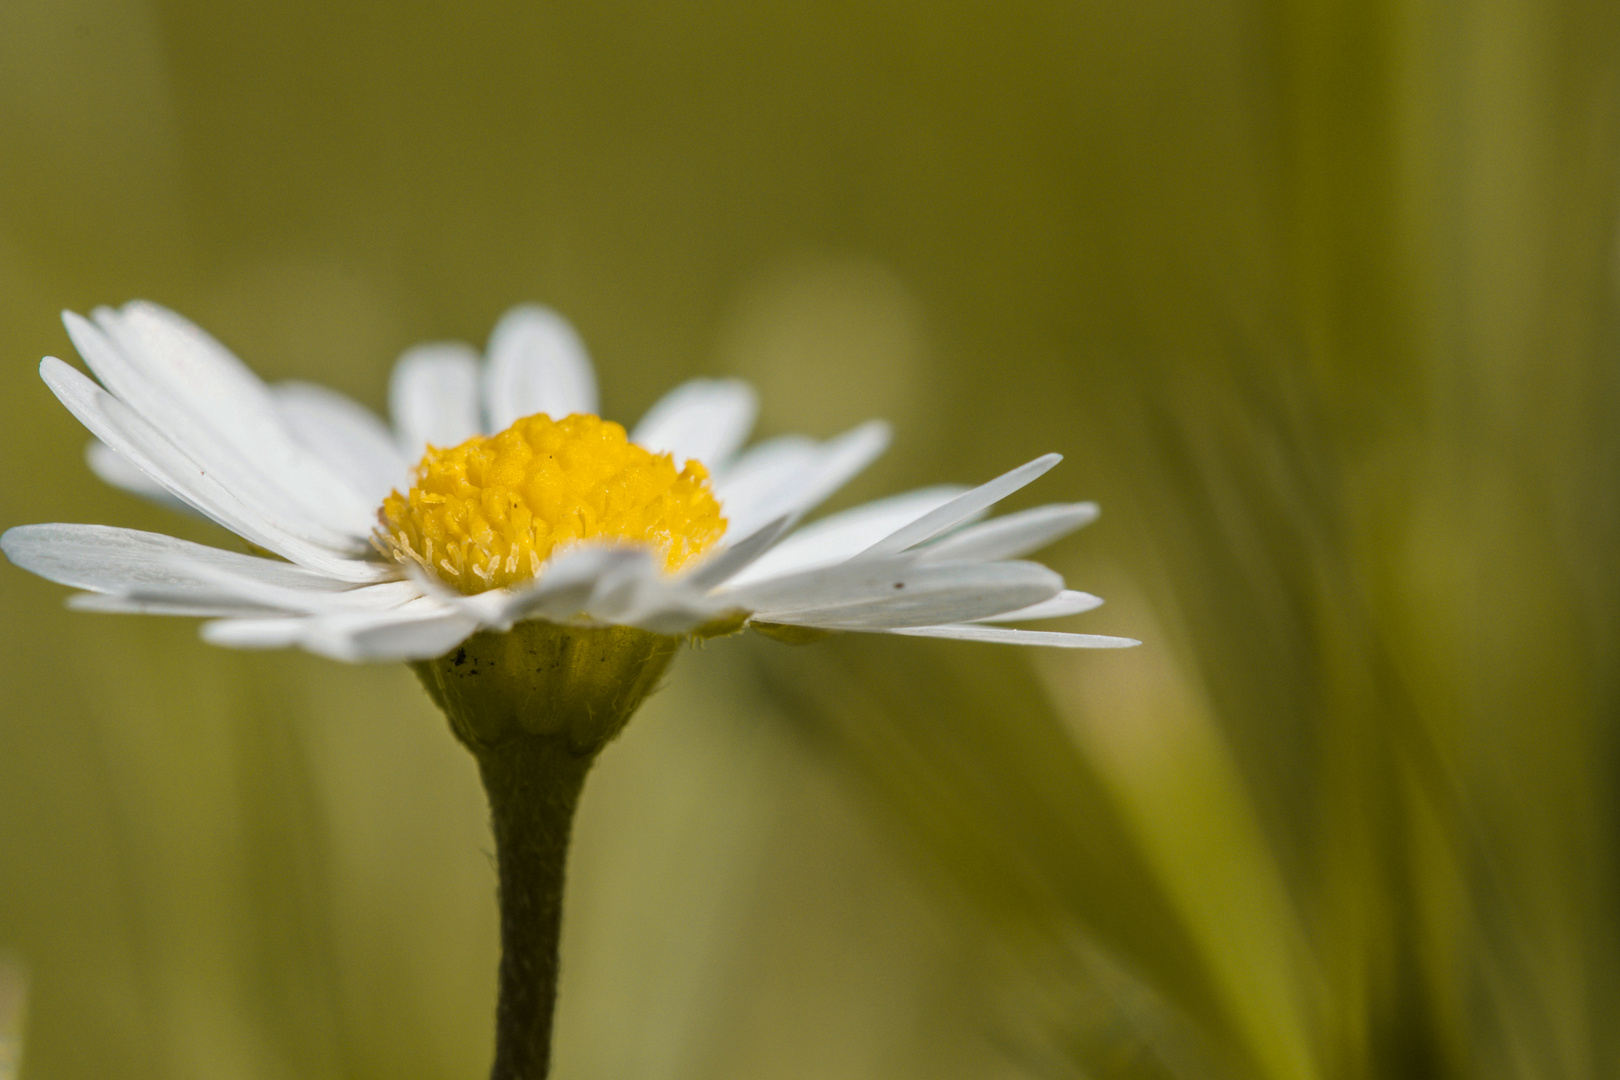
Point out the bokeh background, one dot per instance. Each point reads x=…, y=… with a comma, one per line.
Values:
x=1317, y=296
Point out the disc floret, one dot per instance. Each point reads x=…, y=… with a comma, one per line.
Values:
x=488, y=513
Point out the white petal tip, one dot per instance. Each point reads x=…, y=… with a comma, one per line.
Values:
x=1002, y=636
x=531, y=312
x=880, y=430
x=550, y=326
x=251, y=633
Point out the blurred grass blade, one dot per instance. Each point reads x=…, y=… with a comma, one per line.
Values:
x=1155, y=742
x=995, y=800
x=13, y=1016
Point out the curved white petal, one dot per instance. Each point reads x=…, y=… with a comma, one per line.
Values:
x=350, y=438
x=840, y=536
x=217, y=412
x=537, y=364
x=961, y=509
x=669, y=606
x=1067, y=602
x=245, y=463
x=228, y=588
x=1003, y=636
x=623, y=586
x=254, y=632
x=112, y=469
x=1012, y=535
x=732, y=560
x=597, y=584
x=757, y=476
x=898, y=592
x=200, y=607
x=842, y=458
x=707, y=419
x=565, y=586
x=416, y=633
x=104, y=558
x=115, y=424
x=392, y=636
x=827, y=468
x=433, y=397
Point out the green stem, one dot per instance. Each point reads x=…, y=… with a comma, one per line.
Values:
x=534, y=705
x=533, y=783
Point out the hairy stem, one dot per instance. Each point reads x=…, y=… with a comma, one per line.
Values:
x=533, y=783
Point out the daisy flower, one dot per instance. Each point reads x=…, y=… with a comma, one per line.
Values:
x=497, y=497
x=537, y=566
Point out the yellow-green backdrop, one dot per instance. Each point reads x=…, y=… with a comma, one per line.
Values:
x=1317, y=297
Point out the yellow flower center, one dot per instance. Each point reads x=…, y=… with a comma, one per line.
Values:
x=490, y=512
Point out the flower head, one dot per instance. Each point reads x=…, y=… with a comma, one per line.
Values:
x=498, y=496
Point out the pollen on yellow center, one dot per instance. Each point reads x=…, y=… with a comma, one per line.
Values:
x=490, y=512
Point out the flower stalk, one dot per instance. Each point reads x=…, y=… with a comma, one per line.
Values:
x=533, y=783
x=535, y=705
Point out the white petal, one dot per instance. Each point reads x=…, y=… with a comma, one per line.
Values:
x=254, y=633
x=195, y=439
x=897, y=592
x=839, y=536
x=218, y=413
x=730, y=561
x=1013, y=535
x=111, y=421
x=112, y=469
x=829, y=468
x=961, y=508
x=94, y=408
x=631, y=590
x=668, y=606
x=255, y=459
x=707, y=419
x=228, y=589
x=672, y=618
x=758, y=475
x=537, y=364
x=418, y=632
x=104, y=558
x=623, y=587
x=841, y=459
x=433, y=397
x=566, y=584
x=158, y=574
x=393, y=636
x=1004, y=636
x=198, y=608
x=600, y=584
x=816, y=587
x=1067, y=602
x=350, y=438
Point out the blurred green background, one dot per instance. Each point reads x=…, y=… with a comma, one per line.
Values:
x=1318, y=298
